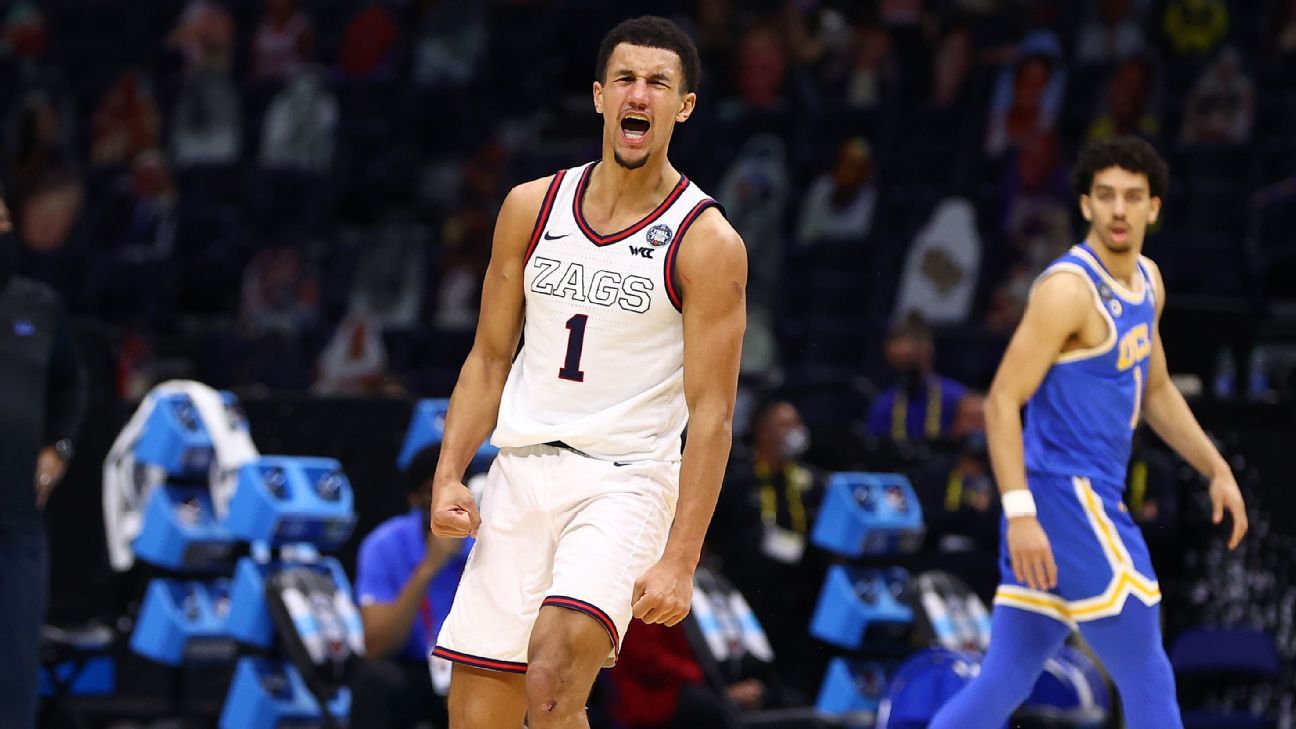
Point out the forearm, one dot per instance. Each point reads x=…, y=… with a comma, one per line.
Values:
x=387, y=626
x=474, y=410
x=1004, y=432
x=1168, y=413
x=701, y=473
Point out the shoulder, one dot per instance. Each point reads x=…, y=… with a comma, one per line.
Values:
x=1062, y=285
x=713, y=244
x=1158, y=283
x=527, y=198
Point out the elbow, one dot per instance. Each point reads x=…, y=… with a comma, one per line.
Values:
x=715, y=424
x=1000, y=406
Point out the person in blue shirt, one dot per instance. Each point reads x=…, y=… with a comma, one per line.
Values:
x=405, y=583
x=922, y=406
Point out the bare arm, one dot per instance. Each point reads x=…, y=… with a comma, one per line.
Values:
x=713, y=276
x=712, y=271
x=1165, y=409
x=474, y=404
x=387, y=624
x=1055, y=312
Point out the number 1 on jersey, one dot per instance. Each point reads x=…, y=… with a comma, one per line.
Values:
x=575, y=343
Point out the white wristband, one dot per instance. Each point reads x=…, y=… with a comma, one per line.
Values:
x=1018, y=502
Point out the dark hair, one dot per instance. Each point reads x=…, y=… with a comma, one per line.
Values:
x=1127, y=153
x=422, y=467
x=651, y=31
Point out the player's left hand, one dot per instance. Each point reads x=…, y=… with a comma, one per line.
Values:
x=1225, y=495
x=663, y=594
x=49, y=471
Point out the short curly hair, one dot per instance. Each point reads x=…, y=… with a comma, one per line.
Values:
x=1128, y=153
x=651, y=31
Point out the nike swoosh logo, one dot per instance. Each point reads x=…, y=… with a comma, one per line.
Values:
x=555, y=237
x=621, y=463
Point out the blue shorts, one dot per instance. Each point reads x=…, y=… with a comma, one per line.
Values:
x=1101, y=557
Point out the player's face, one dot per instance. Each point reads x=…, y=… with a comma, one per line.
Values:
x=1119, y=208
x=641, y=99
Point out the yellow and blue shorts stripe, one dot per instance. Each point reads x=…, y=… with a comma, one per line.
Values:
x=1101, y=557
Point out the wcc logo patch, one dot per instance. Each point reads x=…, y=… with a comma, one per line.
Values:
x=659, y=235
x=1109, y=297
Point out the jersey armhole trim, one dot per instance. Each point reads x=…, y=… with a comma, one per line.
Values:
x=543, y=216
x=1105, y=346
x=673, y=291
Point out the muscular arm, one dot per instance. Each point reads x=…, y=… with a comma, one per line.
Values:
x=387, y=625
x=474, y=404
x=1055, y=312
x=712, y=271
x=1168, y=413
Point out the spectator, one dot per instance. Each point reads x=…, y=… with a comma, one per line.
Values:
x=659, y=684
x=1111, y=34
x=300, y=125
x=1221, y=105
x=923, y=405
x=1129, y=98
x=26, y=32
x=369, y=42
x=1028, y=94
x=43, y=390
x=450, y=44
x=283, y=42
x=761, y=68
x=951, y=66
x=280, y=295
x=761, y=532
x=940, y=270
x=207, y=125
x=126, y=123
x=204, y=36
x=839, y=204
x=754, y=192
x=405, y=584
x=355, y=361
x=871, y=68
x=1196, y=27
x=47, y=191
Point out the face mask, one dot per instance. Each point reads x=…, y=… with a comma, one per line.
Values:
x=795, y=442
x=8, y=257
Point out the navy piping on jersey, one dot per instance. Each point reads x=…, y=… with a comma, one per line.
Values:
x=489, y=664
x=578, y=201
x=543, y=217
x=593, y=611
x=668, y=265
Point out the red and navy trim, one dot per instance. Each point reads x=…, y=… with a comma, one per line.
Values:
x=489, y=664
x=543, y=217
x=593, y=611
x=668, y=266
x=578, y=201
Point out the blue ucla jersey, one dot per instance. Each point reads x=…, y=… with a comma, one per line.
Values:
x=1081, y=419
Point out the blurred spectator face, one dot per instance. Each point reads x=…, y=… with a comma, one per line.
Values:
x=1113, y=12
x=970, y=417
x=950, y=67
x=1037, y=161
x=1119, y=208
x=150, y=177
x=910, y=355
x=638, y=114
x=1031, y=81
x=1128, y=96
x=762, y=66
x=782, y=431
x=854, y=166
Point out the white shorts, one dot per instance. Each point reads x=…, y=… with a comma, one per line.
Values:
x=558, y=528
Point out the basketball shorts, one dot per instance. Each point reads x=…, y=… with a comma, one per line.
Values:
x=1101, y=557
x=560, y=529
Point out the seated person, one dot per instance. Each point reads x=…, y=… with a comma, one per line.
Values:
x=922, y=405
x=405, y=583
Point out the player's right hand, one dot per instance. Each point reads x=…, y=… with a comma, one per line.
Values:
x=1032, y=557
x=454, y=512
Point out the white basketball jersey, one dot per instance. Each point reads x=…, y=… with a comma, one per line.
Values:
x=601, y=366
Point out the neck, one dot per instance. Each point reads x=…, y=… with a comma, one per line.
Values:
x=1122, y=265
x=612, y=182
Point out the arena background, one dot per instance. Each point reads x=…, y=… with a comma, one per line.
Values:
x=306, y=224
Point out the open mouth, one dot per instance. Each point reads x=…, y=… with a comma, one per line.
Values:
x=634, y=127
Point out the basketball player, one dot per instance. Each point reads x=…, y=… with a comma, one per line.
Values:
x=1087, y=363
x=627, y=288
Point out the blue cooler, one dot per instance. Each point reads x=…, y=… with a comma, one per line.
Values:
x=272, y=695
x=853, y=600
x=427, y=426
x=869, y=514
x=851, y=690
x=1070, y=690
x=184, y=623
x=180, y=530
x=922, y=685
x=175, y=437
x=290, y=499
